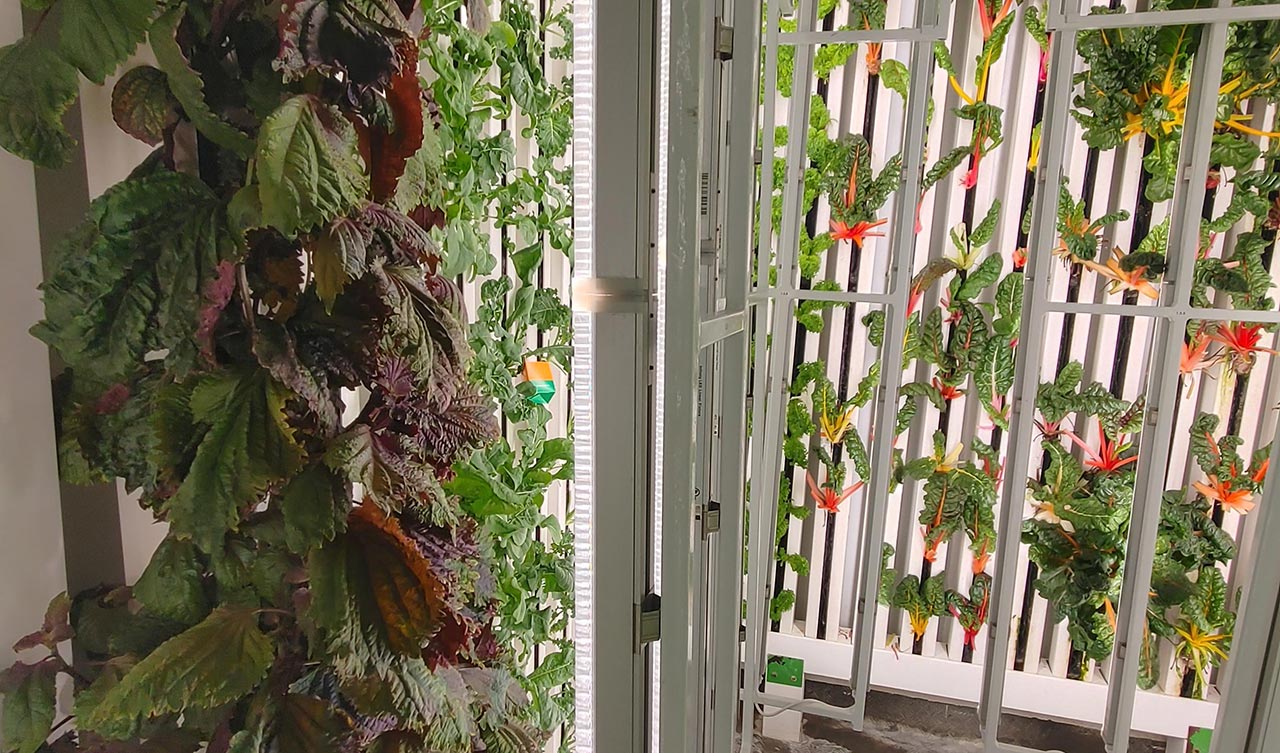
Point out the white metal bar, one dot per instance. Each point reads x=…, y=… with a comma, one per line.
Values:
x=762, y=497
x=901, y=252
x=1233, y=14
x=611, y=200
x=1252, y=652
x=1168, y=311
x=784, y=327
x=717, y=328
x=838, y=296
x=856, y=36
x=739, y=181
x=1022, y=399
x=679, y=251
x=1153, y=450
x=1030, y=694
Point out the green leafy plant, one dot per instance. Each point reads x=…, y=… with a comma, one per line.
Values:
x=971, y=611
x=1077, y=234
x=1190, y=607
x=921, y=602
x=280, y=246
x=963, y=320
x=958, y=496
x=1078, y=532
x=1137, y=83
x=1205, y=629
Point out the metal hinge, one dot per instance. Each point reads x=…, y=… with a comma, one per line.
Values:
x=710, y=519
x=724, y=41
x=648, y=619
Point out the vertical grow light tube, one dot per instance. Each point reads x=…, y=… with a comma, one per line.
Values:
x=661, y=186
x=583, y=353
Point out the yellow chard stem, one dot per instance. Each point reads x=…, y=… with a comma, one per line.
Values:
x=960, y=90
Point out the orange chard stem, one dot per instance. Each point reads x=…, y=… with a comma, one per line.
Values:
x=1004, y=11
x=985, y=18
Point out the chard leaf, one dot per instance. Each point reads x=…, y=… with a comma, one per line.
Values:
x=1009, y=305
x=1232, y=151
x=894, y=76
x=994, y=376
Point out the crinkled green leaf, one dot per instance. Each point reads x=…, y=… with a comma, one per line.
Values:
x=315, y=507
x=36, y=88
x=943, y=56
x=1233, y=151
x=97, y=35
x=894, y=76
x=215, y=662
x=1009, y=305
x=421, y=182
x=188, y=88
x=1206, y=608
x=981, y=278
x=338, y=255
x=245, y=445
x=1203, y=445
x=304, y=724
x=307, y=166
x=982, y=234
x=109, y=675
x=27, y=691
x=106, y=627
x=994, y=375
x=131, y=278
x=172, y=585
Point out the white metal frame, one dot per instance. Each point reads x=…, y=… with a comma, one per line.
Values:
x=776, y=305
x=611, y=68
x=649, y=445
x=774, y=312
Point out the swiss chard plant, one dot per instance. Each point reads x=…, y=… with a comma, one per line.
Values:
x=920, y=601
x=1078, y=531
x=324, y=584
x=1190, y=606
x=963, y=320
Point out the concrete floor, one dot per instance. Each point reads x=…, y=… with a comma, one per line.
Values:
x=897, y=724
x=826, y=736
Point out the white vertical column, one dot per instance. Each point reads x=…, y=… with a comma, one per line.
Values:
x=611, y=147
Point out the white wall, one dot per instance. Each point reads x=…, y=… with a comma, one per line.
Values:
x=32, y=567
x=32, y=554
